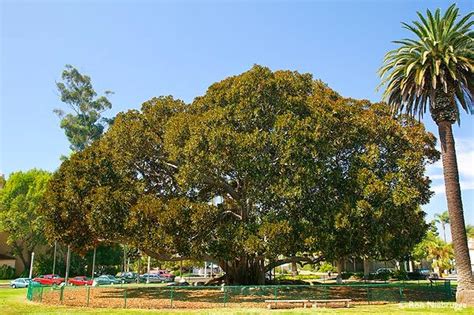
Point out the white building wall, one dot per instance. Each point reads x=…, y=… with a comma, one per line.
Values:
x=470, y=244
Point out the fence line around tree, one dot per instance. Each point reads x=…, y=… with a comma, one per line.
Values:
x=150, y=297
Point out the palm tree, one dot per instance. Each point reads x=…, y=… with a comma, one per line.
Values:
x=436, y=69
x=442, y=255
x=443, y=219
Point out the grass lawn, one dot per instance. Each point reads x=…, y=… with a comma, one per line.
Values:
x=13, y=301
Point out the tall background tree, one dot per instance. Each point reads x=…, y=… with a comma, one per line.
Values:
x=443, y=219
x=435, y=70
x=84, y=123
x=20, y=217
x=249, y=176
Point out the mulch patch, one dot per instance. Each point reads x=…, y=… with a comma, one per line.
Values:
x=189, y=298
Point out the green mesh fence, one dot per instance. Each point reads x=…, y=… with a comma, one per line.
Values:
x=159, y=296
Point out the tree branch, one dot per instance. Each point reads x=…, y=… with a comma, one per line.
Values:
x=167, y=257
x=227, y=188
x=232, y=213
x=308, y=260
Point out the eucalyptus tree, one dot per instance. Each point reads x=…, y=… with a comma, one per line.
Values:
x=434, y=71
x=83, y=122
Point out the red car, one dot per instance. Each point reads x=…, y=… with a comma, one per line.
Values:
x=80, y=280
x=49, y=279
x=165, y=274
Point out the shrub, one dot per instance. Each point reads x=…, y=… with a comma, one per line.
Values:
x=384, y=275
x=400, y=275
x=326, y=267
x=7, y=272
x=357, y=275
x=346, y=275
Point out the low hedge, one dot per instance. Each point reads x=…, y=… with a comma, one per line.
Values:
x=7, y=272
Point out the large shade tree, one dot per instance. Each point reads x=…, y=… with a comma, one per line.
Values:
x=435, y=71
x=266, y=168
x=20, y=200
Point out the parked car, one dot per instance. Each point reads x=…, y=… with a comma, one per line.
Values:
x=20, y=283
x=165, y=275
x=383, y=271
x=152, y=278
x=49, y=280
x=106, y=279
x=80, y=280
x=127, y=277
x=419, y=274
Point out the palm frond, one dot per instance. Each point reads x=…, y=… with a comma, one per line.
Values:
x=439, y=57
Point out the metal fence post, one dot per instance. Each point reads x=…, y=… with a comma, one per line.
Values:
x=28, y=292
x=225, y=296
x=88, y=295
x=125, y=298
x=447, y=289
x=368, y=295
x=275, y=292
x=400, y=288
x=41, y=294
x=171, y=297
x=61, y=294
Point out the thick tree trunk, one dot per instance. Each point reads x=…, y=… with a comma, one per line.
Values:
x=366, y=268
x=245, y=271
x=339, y=267
x=294, y=268
x=18, y=250
x=455, y=209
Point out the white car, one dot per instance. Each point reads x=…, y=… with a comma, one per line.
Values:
x=20, y=283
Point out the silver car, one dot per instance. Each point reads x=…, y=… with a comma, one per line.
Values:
x=20, y=283
x=152, y=278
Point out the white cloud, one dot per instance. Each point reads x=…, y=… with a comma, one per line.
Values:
x=436, y=176
x=465, y=157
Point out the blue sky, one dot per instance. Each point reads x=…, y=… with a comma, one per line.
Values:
x=141, y=49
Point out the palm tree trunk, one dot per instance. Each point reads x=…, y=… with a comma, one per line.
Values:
x=444, y=227
x=455, y=209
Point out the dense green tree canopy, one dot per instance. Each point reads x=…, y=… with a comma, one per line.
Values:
x=20, y=217
x=264, y=165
